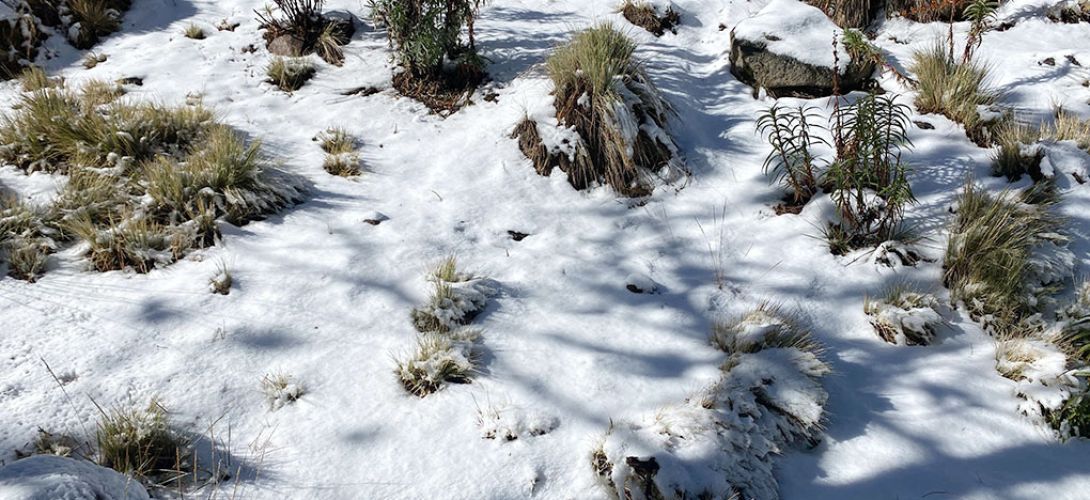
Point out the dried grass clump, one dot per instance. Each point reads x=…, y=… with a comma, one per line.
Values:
x=341, y=157
x=281, y=389
x=289, y=74
x=1020, y=145
x=856, y=14
x=93, y=19
x=140, y=441
x=927, y=11
x=954, y=89
x=221, y=282
x=439, y=358
x=35, y=78
x=456, y=299
x=26, y=238
x=146, y=182
x=904, y=317
x=93, y=59
x=603, y=94
x=192, y=31
x=1004, y=259
x=767, y=326
x=644, y=14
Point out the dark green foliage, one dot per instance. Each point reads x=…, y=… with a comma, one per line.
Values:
x=426, y=33
x=792, y=161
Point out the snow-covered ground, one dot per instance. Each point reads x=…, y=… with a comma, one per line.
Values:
x=325, y=297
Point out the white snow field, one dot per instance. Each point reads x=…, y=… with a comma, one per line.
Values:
x=566, y=349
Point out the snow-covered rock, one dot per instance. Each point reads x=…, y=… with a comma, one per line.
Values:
x=51, y=477
x=787, y=49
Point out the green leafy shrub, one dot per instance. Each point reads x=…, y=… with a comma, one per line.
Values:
x=792, y=161
x=868, y=181
x=426, y=35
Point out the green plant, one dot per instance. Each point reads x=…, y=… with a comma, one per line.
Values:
x=139, y=441
x=868, y=180
x=981, y=14
x=991, y=264
x=1072, y=419
x=194, y=32
x=792, y=160
x=439, y=359
x=426, y=32
x=955, y=90
x=289, y=75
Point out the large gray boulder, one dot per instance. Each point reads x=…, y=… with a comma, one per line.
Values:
x=787, y=49
x=52, y=477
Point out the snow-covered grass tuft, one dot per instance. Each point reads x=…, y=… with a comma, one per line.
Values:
x=223, y=279
x=341, y=157
x=767, y=326
x=1004, y=259
x=439, y=358
x=723, y=444
x=93, y=59
x=954, y=89
x=139, y=441
x=289, y=74
x=25, y=238
x=904, y=317
x=281, y=389
x=599, y=85
x=456, y=298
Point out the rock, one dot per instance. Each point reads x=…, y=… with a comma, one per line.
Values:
x=375, y=218
x=786, y=49
x=640, y=283
x=49, y=477
x=287, y=45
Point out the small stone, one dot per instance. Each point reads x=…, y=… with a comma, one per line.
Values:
x=286, y=45
x=375, y=218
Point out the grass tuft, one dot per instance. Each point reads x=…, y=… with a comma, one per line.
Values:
x=289, y=74
x=765, y=327
x=643, y=14
x=281, y=389
x=953, y=89
x=194, y=32
x=139, y=441
x=439, y=358
x=904, y=317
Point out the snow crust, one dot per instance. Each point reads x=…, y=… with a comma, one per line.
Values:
x=51, y=477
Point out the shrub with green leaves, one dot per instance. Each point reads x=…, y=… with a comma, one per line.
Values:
x=428, y=33
x=954, y=89
x=604, y=94
x=1005, y=260
x=792, y=160
x=868, y=181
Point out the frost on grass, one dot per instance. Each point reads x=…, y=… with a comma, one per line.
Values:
x=611, y=118
x=146, y=183
x=723, y=443
x=455, y=300
x=281, y=389
x=904, y=317
x=439, y=359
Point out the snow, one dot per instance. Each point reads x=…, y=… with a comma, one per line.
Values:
x=798, y=30
x=326, y=297
x=51, y=477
